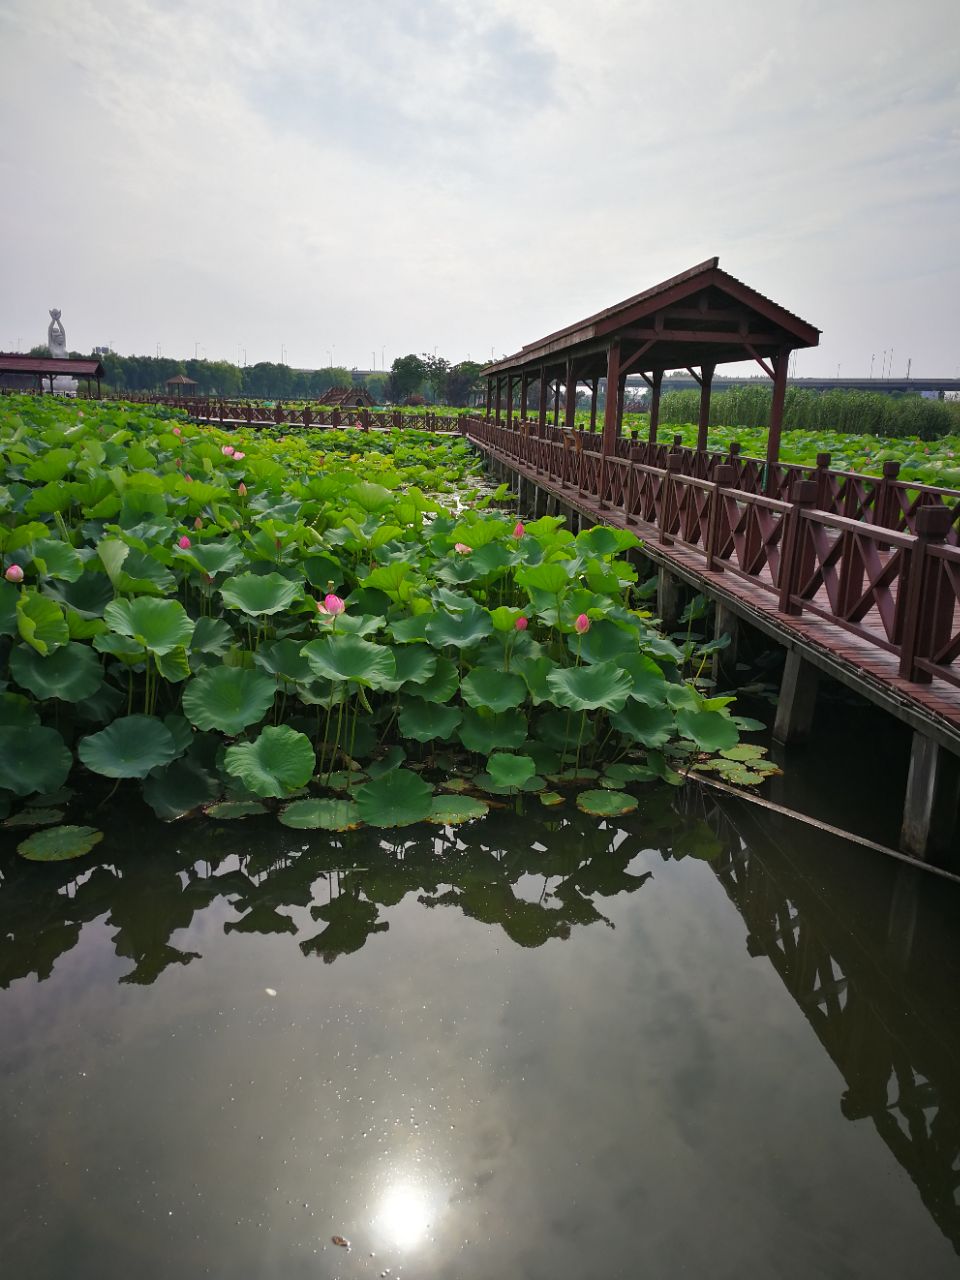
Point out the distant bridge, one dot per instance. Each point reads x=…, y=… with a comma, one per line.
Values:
x=886, y=386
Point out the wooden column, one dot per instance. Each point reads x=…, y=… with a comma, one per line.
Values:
x=706, y=381
x=509, y=400
x=542, y=403
x=524, y=385
x=570, y=406
x=797, y=701
x=594, y=388
x=655, y=405
x=556, y=402
x=932, y=799
x=780, y=365
x=611, y=408
x=498, y=401
x=489, y=396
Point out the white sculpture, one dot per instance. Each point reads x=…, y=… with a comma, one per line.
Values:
x=57, y=343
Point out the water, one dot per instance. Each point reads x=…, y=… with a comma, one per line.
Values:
x=681, y=1045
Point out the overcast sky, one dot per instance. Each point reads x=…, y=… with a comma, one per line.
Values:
x=336, y=178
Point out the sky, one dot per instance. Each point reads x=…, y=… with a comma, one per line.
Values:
x=322, y=182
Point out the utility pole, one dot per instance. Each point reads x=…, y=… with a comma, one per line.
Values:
x=909, y=363
x=872, y=358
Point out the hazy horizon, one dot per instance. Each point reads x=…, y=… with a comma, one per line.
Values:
x=325, y=182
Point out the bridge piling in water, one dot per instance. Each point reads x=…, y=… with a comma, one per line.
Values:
x=797, y=701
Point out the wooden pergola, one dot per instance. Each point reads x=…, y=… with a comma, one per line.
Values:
x=180, y=385
x=696, y=321
x=40, y=367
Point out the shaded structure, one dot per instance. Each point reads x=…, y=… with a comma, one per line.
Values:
x=26, y=373
x=181, y=386
x=696, y=321
x=347, y=398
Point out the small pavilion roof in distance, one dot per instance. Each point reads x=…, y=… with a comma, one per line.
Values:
x=701, y=315
x=180, y=380
x=45, y=365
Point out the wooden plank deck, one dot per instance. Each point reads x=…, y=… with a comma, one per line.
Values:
x=865, y=667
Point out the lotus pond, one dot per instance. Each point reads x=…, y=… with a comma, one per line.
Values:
x=340, y=627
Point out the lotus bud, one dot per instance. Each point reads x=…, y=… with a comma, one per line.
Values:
x=518, y=530
x=462, y=549
x=179, y=463
x=198, y=523
x=14, y=574
x=242, y=489
x=188, y=477
x=333, y=604
x=582, y=624
x=237, y=455
x=521, y=624
x=177, y=431
x=183, y=543
x=227, y=450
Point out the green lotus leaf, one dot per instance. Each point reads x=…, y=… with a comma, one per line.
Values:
x=397, y=799
x=211, y=635
x=450, y=811
x=353, y=624
x=397, y=580
x=743, y=751
x=604, y=642
x=158, y=625
x=277, y=762
x=54, y=559
x=462, y=630
x=285, y=659
x=142, y=574
x=41, y=623
x=178, y=789
x=34, y=818
x=212, y=558
x=257, y=595
x=509, y=770
x=128, y=748
x=405, y=630
x=371, y=497
x=442, y=685
x=550, y=799
x=88, y=596
x=392, y=759
x=606, y=804
x=350, y=658
x=325, y=815
x=647, y=680
x=552, y=578
x=496, y=690
x=416, y=663
x=625, y=772
x=710, y=730
x=9, y=595
x=58, y=844
x=426, y=721
x=228, y=699
x=483, y=730
x=231, y=809
x=534, y=671
x=173, y=666
x=33, y=759
x=71, y=673
x=562, y=730
x=586, y=688
x=505, y=619
x=650, y=726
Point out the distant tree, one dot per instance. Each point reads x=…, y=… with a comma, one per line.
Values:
x=436, y=369
x=407, y=374
x=376, y=384
x=462, y=383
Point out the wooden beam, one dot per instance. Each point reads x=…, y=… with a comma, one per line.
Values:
x=695, y=376
x=628, y=364
x=732, y=336
x=760, y=361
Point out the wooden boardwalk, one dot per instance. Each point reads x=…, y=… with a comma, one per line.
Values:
x=877, y=608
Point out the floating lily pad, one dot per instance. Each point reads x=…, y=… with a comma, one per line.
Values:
x=326, y=815
x=743, y=751
x=231, y=809
x=397, y=799
x=550, y=799
x=606, y=804
x=450, y=810
x=34, y=818
x=58, y=844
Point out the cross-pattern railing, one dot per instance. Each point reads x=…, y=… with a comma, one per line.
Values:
x=230, y=412
x=896, y=587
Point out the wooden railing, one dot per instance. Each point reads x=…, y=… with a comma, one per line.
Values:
x=256, y=415
x=894, y=587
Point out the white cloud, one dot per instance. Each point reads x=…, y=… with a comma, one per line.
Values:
x=470, y=177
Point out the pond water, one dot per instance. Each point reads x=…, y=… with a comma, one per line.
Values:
x=689, y=1043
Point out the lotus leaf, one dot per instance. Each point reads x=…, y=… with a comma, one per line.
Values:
x=33, y=759
x=710, y=730
x=257, y=595
x=41, y=623
x=397, y=799
x=128, y=748
x=426, y=721
x=58, y=844
x=277, y=762
x=606, y=804
x=495, y=690
x=327, y=815
x=228, y=699
x=462, y=630
x=450, y=811
x=71, y=673
x=650, y=726
x=231, y=809
x=350, y=658
x=157, y=625
x=510, y=770
x=587, y=688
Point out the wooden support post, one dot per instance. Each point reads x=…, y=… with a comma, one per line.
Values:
x=611, y=408
x=780, y=365
x=542, y=402
x=594, y=388
x=570, y=398
x=524, y=386
x=655, y=405
x=556, y=402
x=706, y=382
x=930, y=596
x=509, y=402
x=932, y=800
x=797, y=701
x=489, y=397
x=498, y=402
x=726, y=623
x=669, y=598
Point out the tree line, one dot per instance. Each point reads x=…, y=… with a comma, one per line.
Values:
x=853, y=412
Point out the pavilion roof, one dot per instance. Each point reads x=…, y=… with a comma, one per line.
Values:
x=181, y=380
x=703, y=314
x=73, y=368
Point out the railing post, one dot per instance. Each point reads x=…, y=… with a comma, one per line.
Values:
x=723, y=478
x=822, y=480
x=884, y=495
x=668, y=499
x=795, y=557
x=930, y=596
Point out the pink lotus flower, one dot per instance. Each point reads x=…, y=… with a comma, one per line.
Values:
x=188, y=477
x=521, y=624
x=177, y=431
x=582, y=624
x=198, y=523
x=242, y=489
x=331, y=605
x=179, y=463
x=237, y=455
x=14, y=574
x=183, y=543
x=518, y=529
x=227, y=450
x=462, y=549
